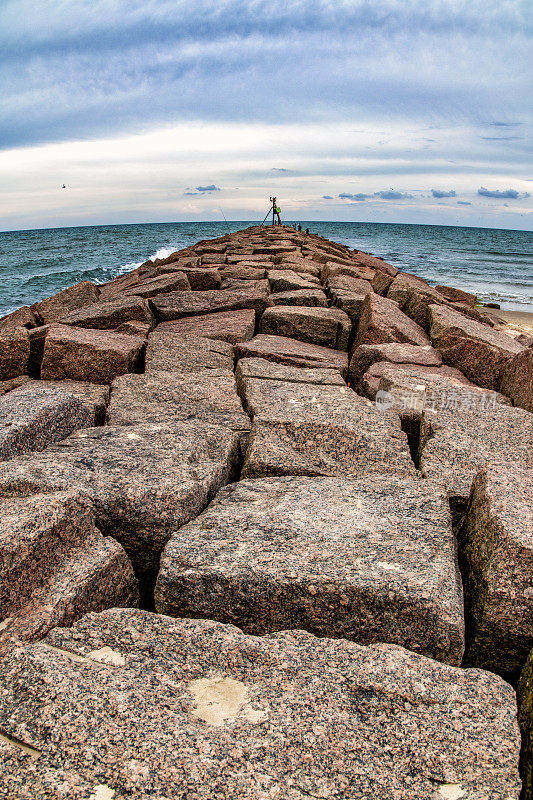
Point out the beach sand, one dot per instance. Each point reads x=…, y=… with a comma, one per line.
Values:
x=512, y=322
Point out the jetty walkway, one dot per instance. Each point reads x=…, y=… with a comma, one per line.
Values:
x=266, y=532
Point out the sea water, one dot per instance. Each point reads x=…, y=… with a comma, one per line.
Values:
x=496, y=265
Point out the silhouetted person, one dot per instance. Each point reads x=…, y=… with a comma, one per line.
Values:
x=299, y=227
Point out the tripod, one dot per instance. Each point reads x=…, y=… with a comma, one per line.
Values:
x=276, y=211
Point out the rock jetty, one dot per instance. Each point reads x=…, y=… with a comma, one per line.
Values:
x=266, y=533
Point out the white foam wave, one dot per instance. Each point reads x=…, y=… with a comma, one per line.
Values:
x=161, y=252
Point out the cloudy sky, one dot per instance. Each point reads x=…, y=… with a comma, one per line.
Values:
x=164, y=110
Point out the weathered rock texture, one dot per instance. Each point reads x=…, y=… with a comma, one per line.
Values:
x=290, y=351
x=187, y=304
x=381, y=320
x=227, y=326
x=477, y=350
x=131, y=703
x=14, y=353
x=327, y=327
x=144, y=479
x=516, y=379
x=168, y=352
x=525, y=718
x=55, y=565
x=96, y=356
x=371, y=561
x=75, y=297
x=33, y=416
x=497, y=547
x=367, y=354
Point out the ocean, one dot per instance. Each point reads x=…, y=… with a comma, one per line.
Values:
x=497, y=265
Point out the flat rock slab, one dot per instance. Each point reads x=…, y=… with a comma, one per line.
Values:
x=476, y=349
x=202, y=278
x=109, y=315
x=414, y=295
x=325, y=327
x=283, y=350
x=367, y=354
x=286, y=280
x=167, y=352
x=408, y=381
x=174, y=707
x=381, y=320
x=71, y=299
x=301, y=297
x=189, y=304
x=34, y=416
x=175, y=282
x=322, y=430
x=497, y=549
x=94, y=396
x=14, y=353
x=268, y=370
x=13, y=383
x=227, y=326
x=144, y=479
x=458, y=440
x=371, y=560
x=96, y=356
x=55, y=565
x=517, y=379
x=315, y=396
x=210, y=396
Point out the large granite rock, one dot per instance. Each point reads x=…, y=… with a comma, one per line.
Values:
x=381, y=320
x=243, y=272
x=286, y=280
x=33, y=416
x=259, y=368
x=55, y=565
x=371, y=560
x=525, y=718
x=14, y=353
x=283, y=350
x=167, y=352
x=111, y=314
x=457, y=295
x=497, y=551
x=367, y=354
x=406, y=380
x=301, y=297
x=516, y=379
x=173, y=282
x=188, y=304
x=465, y=431
x=144, y=479
x=13, y=383
x=477, y=350
x=202, y=278
x=325, y=327
x=94, y=396
x=348, y=294
x=209, y=395
x=413, y=294
x=140, y=705
x=227, y=326
x=305, y=429
x=81, y=354
x=23, y=317
x=74, y=297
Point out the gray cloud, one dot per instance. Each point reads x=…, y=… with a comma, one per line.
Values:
x=327, y=197
x=210, y=188
x=392, y=194
x=510, y=194
x=354, y=197
x=463, y=203
x=440, y=193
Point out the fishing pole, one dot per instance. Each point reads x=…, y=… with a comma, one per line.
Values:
x=225, y=220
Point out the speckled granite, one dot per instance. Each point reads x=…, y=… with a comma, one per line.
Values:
x=525, y=718
x=367, y=354
x=188, y=304
x=202, y=278
x=135, y=327
x=477, y=350
x=370, y=560
x=94, y=396
x=457, y=295
x=70, y=299
x=208, y=396
x=13, y=383
x=351, y=302
x=282, y=350
x=414, y=387
x=261, y=368
x=227, y=326
x=286, y=280
x=320, y=435
x=33, y=416
x=296, y=400
x=381, y=320
x=325, y=327
x=173, y=282
x=55, y=565
x=243, y=271
x=148, y=706
x=96, y=356
x=144, y=480
x=111, y=314
x=168, y=352
x=517, y=379
x=497, y=548
x=455, y=442
x=23, y=317
x=414, y=295
x=14, y=353
x=301, y=297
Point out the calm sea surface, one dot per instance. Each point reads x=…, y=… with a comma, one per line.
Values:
x=497, y=265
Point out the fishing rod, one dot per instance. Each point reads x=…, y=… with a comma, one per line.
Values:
x=225, y=220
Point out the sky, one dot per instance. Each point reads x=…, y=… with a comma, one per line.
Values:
x=415, y=111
